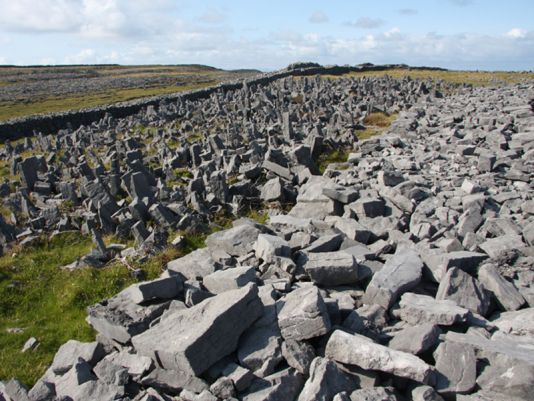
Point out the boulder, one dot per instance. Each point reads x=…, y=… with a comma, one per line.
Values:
x=465, y=290
x=400, y=273
x=416, y=339
x=363, y=352
x=193, y=339
x=303, y=314
x=456, y=367
x=331, y=268
x=325, y=381
x=162, y=288
x=418, y=309
x=229, y=279
x=505, y=293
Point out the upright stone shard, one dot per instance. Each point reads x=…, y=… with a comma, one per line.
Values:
x=326, y=380
x=191, y=340
x=507, y=296
x=465, y=290
x=457, y=368
x=303, y=315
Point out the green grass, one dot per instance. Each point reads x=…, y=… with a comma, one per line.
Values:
x=50, y=303
x=335, y=156
x=260, y=216
x=376, y=124
x=475, y=78
x=10, y=110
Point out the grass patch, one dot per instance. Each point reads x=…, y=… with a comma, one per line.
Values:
x=475, y=78
x=50, y=303
x=5, y=171
x=10, y=110
x=335, y=156
x=260, y=216
x=376, y=124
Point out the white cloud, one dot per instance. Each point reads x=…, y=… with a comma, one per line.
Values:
x=3, y=60
x=366, y=23
x=517, y=33
x=318, y=17
x=40, y=16
x=87, y=18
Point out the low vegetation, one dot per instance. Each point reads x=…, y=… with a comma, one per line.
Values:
x=475, y=78
x=10, y=110
x=36, y=90
x=335, y=156
x=376, y=124
x=49, y=303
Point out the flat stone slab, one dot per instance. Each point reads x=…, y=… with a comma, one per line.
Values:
x=519, y=322
x=119, y=318
x=439, y=264
x=418, y=309
x=400, y=273
x=363, y=352
x=325, y=381
x=194, y=265
x=495, y=246
x=162, y=288
x=236, y=241
x=194, y=339
x=465, y=290
x=416, y=339
x=229, y=279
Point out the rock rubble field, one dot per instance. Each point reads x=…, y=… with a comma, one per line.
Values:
x=404, y=272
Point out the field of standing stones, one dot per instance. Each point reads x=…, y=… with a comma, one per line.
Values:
x=389, y=267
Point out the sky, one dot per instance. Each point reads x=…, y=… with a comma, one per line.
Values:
x=268, y=35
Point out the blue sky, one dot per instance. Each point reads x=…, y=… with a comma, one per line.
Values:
x=458, y=34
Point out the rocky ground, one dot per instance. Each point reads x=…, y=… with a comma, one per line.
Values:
x=403, y=273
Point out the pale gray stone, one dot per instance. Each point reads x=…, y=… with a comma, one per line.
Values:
x=303, y=314
x=465, y=290
x=194, y=339
x=418, y=309
x=506, y=294
x=325, y=381
x=456, y=367
x=229, y=279
x=363, y=352
x=416, y=339
x=401, y=273
x=331, y=268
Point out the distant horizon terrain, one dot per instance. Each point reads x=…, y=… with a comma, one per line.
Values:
x=245, y=69
x=34, y=90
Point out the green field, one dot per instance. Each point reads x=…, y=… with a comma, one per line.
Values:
x=38, y=90
x=475, y=78
x=50, y=303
